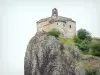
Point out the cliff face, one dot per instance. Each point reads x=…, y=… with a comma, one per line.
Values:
x=46, y=56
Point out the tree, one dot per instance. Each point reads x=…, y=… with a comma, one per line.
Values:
x=82, y=40
x=95, y=48
x=76, y=39
x=84, y=34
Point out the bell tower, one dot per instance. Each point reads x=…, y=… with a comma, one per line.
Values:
x=54, y=13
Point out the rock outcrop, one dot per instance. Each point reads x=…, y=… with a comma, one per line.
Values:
x=46, y=56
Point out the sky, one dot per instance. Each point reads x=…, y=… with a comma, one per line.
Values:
x=18, y=25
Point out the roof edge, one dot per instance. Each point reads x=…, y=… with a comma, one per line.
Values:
x=45, y=19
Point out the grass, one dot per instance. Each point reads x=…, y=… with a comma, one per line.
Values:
x=67, y=41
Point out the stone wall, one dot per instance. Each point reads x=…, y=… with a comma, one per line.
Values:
x=67, y=29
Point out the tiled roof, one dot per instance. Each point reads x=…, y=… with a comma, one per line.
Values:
x=58, y=19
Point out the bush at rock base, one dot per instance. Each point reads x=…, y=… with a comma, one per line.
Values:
x=53, y=32
x=95, y=48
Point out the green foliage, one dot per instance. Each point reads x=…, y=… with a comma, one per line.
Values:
x=53, y=32
x=95, y=48
x=83, y=46
x=82, y=40
x=77, y=40
x=84, y=34
x=86, y=44
x=67, y=41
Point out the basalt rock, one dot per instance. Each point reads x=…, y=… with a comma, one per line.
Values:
x=46, y=56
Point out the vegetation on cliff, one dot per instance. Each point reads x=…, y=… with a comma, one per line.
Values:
x=85, y=42
x=53, y=32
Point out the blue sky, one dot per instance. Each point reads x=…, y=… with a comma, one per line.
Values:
x=18, y=24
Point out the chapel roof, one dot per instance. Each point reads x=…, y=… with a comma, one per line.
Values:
x=57, y=19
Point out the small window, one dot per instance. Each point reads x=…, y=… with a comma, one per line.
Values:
x=69, y=26
x=57, y=23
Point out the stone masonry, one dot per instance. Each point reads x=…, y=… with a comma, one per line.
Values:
x=66, y=26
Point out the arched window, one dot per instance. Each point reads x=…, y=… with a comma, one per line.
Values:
x=69, y=26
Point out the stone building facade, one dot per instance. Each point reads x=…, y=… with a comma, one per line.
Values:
x=66, y=26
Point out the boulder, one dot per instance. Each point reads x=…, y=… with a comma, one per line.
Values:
x=46, y=56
